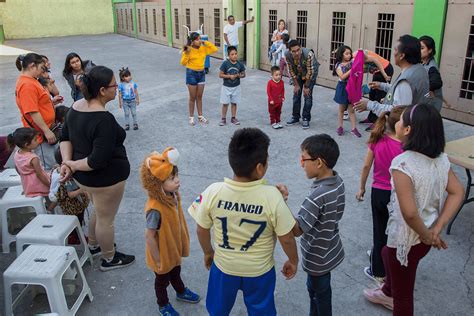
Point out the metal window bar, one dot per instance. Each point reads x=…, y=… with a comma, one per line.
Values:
x=217, y=27
x=176, y=23
x=139, y=21
x=121, y=19
x=117, y=17
x=163, y=22
x=467, y=81
x=201, y=19
x=131, y=19
x=126, y=20
x=272, y=25
x=337, y=36
x=301, y=26
x=146, y=21
x=384, y=37
x=155, y=27
x=188, y=18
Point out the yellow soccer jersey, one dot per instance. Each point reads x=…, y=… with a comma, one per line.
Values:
x=246, y=218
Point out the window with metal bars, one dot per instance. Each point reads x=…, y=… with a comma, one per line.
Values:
x=201, y=19
x=155, y=27
x=467, y=82
x=188, y=18
x=139, y=21
x=176, y=23
x=163, y=22
x=337, y=35
x=121, y=18
x=384, y=38
x=126, y=20
x=131, y=19
x=117, y=17
x=146, y=21
x=272, y=24
x=217, y=27
x=301, y=26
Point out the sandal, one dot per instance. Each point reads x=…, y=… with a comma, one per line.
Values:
x=202, y=120
x=191, y=121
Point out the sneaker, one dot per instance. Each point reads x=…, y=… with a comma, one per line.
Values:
x=340, y=131
x=188, y=296
x=97, y=251
x=356, y=133
x=279, y=125
x=203, y=120
x=223, y=122
x=191, y=121
x=378, y=297
x=120, y=260
x=369, y=253
x=168, y=310
x=366, y=121
x=305, y=124
x=275, y=125
x=135, y=127
x=346, y=116
x=127, y=127
x=234, y=121
x=368, y=273
x=293, y=121
x=370, y=128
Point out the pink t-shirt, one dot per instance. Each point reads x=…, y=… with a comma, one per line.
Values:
x=384, y=151
x=32, y=186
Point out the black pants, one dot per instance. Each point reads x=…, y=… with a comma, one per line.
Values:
x=379, y=199
x=378, y=95
x=163, y=280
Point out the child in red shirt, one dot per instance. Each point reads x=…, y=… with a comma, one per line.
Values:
x=276, y=97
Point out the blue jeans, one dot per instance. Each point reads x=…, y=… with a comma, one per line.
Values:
x=308, y=101
x=130, y=106
x=193, y=77
x=320, y=294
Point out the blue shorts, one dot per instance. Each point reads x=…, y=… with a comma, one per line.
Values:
x=258, y=293
x=194, y=77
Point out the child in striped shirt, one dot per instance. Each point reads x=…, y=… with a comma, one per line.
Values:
x=318, y=220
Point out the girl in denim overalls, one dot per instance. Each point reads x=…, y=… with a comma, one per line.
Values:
x=128, y=97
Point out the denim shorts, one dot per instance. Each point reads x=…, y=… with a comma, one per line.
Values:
x=194, y=77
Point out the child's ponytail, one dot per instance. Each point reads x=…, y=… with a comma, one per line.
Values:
x=379, y=128
x=21, y=137
x=386, y=121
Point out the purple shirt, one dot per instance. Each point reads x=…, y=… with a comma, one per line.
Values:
x=384, y=151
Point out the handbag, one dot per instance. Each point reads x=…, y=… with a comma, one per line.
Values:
x=56, y=128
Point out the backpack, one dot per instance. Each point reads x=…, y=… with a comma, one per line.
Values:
x=71, y=206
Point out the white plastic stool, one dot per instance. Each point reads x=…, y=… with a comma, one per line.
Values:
x=45, y=265
x=9, y=178
x=52, y=230
x=14, y=198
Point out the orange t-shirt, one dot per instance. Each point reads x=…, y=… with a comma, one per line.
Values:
x=32, y=97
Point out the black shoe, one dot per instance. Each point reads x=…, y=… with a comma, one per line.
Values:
x=97, y=251
x=293, y=121
x=305, y=124
x=120, y=260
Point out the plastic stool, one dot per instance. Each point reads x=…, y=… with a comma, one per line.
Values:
x=14, y=198
x=9, y=178
x=52, y=230
x=44, y=265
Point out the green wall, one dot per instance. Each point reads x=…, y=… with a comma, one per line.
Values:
x=44, y=18
x=429, y=19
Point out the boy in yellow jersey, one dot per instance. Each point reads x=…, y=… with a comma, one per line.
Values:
x=247, y=215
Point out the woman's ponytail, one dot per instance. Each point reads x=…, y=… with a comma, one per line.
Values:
x=85, y=82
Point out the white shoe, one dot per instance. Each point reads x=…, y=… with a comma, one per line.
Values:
x=191, y=121
x=346, y=116
x=279, y=125
x=275, y=125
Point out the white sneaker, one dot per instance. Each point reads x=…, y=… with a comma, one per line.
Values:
x=369, y=252
x=346, y=116
x=279, y=125
x=275, y=125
